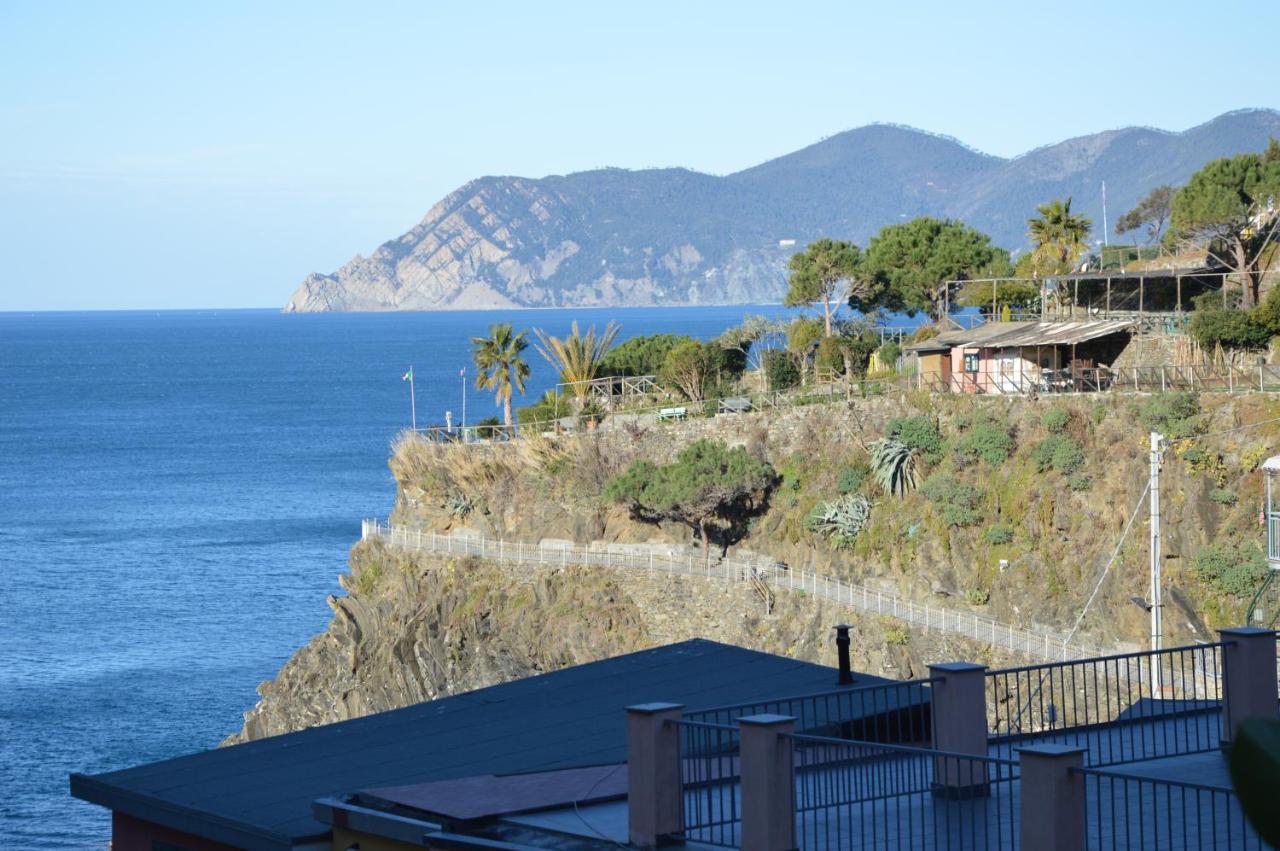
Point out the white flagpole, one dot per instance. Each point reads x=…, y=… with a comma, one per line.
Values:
x=413, y=404
x=463, y=374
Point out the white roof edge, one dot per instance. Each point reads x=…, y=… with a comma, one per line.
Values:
x=1272, y=464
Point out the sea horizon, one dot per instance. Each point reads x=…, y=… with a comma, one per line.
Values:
x=178, y=493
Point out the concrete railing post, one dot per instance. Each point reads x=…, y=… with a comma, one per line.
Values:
x=655, y=792
x=958, y=705
x=1053, y=798
x=1248, y=678
x=768, y=784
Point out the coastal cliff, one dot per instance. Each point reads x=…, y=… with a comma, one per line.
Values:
x=415, y=626
x=671, y=236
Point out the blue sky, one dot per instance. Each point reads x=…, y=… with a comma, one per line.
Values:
x=164, y=155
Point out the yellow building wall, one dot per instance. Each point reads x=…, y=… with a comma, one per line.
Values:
x=933, y=372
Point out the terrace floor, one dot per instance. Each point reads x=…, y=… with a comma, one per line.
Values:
x=1161, y=788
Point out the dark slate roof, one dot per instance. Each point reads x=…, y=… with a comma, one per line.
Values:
x=258, y=795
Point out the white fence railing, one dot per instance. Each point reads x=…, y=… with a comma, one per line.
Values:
x=1040, y=644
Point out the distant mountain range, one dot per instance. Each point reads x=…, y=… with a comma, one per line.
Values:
x=615, y=237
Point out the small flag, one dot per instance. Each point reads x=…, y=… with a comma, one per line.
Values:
x=408, y=376
x=462, y=373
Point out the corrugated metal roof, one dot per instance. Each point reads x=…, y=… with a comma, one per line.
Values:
x=999, y=335
x=258, y=795
x=1054, y=333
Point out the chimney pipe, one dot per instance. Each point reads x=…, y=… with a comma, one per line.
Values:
x=842, y=652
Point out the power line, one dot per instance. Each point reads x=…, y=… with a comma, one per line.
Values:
x=1107, y=569
x=1228, y=430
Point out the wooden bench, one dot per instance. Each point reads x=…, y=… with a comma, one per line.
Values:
x=666, y=414
x=735, y=405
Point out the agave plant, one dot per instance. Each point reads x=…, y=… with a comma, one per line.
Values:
x=893, y=464
x=840, y=519
x=459, y=505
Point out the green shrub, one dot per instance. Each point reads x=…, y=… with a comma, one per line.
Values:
x=829, y=356
x=1223, y=496
x=1058, y=452
x=999, y=534
x=549, y=407
x=845, y=353
x=986, y=439
x=1175, y=415
x=851, y=477
x=1195, y=457
x=368, y=579
x=642, y=355
x=977, y=596
x=920, y=434
x=1252, y=458
x=693, y=368
x=1099, y=414
x=1079, y=482
x=780, y=371
x=487, y=427
x=1234, y=570
x=1055, y=420
x=956, y=501
x=895, y=632
x=1231, y=329
x=1267, y=314
x=889, y=354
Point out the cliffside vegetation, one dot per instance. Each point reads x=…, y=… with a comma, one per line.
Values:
x=1010, y=507
x=952, y=487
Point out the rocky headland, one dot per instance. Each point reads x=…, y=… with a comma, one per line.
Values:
x=614, y=237
x=414, y=626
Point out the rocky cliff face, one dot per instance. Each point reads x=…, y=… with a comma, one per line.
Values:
x=415, y=627
x=602, y=238
x=675, y=237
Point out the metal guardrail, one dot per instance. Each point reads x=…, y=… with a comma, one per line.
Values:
x=868, y=795
x=1121, y=707
x=825, y=388
x=829, y=387
x=1037, y=644
x=709, y=765
x=1130, y=379
x=1131, y=813
x=885, y=712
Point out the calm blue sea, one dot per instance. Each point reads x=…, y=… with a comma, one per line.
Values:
x=178, y=492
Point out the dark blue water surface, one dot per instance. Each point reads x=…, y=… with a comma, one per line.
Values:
x=178, y=492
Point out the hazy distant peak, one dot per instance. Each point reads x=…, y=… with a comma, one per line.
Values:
x=676, y=236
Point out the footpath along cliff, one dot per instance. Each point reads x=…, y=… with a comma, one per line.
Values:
x=1043, y=486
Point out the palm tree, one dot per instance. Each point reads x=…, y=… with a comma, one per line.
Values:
x=577, y=356
x=501, y=369
x=1059, y=236
x=893, y=465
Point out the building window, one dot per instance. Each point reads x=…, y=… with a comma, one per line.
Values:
x=970, y=363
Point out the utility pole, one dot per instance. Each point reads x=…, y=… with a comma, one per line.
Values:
x=1156, y=604
x=1104, y=214
x=462, y=374
x=413, y=405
